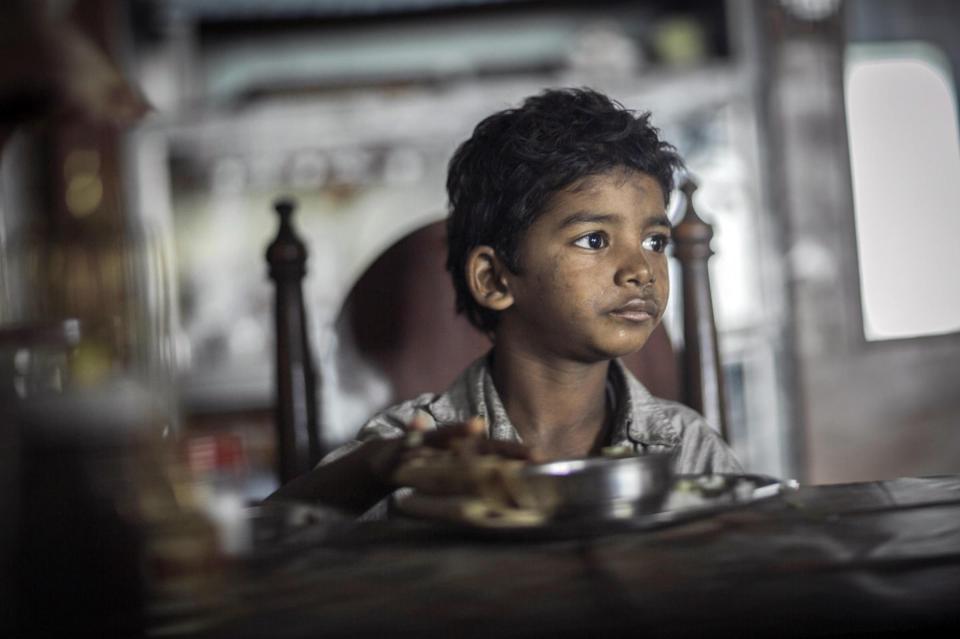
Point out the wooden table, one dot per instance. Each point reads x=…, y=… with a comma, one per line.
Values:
x=872, y=558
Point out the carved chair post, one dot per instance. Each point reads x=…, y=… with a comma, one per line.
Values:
x=299, y=445
x=702, y=372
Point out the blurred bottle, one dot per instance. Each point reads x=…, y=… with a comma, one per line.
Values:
x=72, y=245
x=76, y=250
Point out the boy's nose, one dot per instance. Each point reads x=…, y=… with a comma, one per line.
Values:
x=634, y=270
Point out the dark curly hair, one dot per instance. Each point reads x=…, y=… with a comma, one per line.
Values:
x=502, y=178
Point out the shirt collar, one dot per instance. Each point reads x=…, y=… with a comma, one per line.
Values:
x=639, y=417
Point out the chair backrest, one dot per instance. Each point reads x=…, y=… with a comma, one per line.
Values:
x=400, y=320
x=299, y=444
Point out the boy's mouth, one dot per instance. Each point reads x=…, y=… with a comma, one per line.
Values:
x=637, y=309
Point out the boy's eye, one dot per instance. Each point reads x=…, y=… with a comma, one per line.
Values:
x=593, y=241
x=657, y=243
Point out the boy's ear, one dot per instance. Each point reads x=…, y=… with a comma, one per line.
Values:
x=486, y=278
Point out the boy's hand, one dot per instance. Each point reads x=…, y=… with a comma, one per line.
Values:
x=453, y=460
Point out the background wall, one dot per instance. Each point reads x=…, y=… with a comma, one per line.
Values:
x=869, y=408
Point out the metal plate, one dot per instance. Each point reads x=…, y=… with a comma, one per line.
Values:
x=598, y=487
x=691, y=497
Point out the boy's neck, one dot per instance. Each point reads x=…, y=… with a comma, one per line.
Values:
x=558, y=407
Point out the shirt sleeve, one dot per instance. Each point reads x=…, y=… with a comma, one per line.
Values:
x=384, y=425
x=702, y=450
x=387, y=424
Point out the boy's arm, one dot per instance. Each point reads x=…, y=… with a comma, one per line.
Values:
x=362, y=477
x=353, y=482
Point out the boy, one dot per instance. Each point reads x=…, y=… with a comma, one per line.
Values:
x=557, y=240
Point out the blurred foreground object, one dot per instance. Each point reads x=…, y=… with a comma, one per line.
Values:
x=74, y=251
x=107, y=528
x=98, y=514
x=49, y=67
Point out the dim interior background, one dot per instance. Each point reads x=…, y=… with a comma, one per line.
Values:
x=823, y=135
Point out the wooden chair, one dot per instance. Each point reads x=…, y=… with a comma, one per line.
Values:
x=400, y=316
x=299, y=444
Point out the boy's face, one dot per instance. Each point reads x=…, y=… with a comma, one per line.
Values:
x=593, y=280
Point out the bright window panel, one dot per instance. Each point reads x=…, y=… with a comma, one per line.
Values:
x=905, y=160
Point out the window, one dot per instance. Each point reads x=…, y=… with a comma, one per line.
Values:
x=905, y=161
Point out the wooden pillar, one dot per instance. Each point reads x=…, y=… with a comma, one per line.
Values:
x=299, y=445
x=702, y=372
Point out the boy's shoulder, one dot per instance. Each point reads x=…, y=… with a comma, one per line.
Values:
x=649, y=419
x=388, y=423
x=659, y=424
x=465, y=398
x=698, y=446
x=392, y=421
